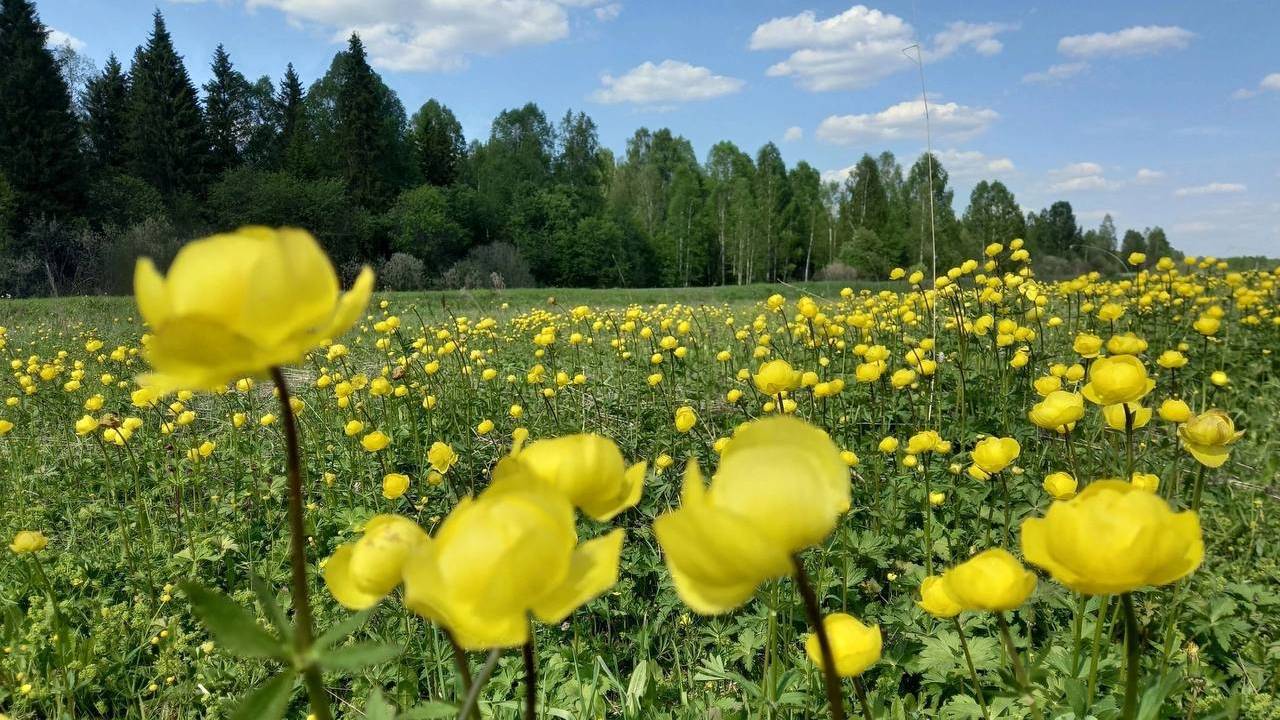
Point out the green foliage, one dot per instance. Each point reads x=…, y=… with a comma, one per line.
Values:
x=106, y=125
x=247, y=196
x=438, y=144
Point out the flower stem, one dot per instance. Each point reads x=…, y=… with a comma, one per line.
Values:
x=814, y=614
x=1199, y=488
x=302, y=632
x=464, y=670
x=1098, y=622
x=473, y=696
x=530, y=679
x=861, y=690
x=968, y=659
x=1019, y=671
x=1133, y=657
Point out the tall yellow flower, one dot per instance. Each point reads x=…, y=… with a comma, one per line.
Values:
x=587, y=469
x=1117, y=379
x=780, y=487
x=361, y=573
x=497, y=558
x=237, y=304
x=1209, y=436
x=1058, y=412
x=993, y=454
x=776, y=376
x=854, y=646
x=992, y=580
x=1113, y=538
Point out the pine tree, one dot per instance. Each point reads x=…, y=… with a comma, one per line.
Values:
x=39, y=136
x=438, y=143
x=359, y=128
x=227, y=113
x=167, y=143
x=291, y=118
x=106, y=104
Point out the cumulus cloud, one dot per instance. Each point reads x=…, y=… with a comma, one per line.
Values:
x=669, y=81
x=605, y=13
x=1138, y=40
x=1146, y=175
x=860, y=46
x=972, y=163
x=1214, y=188
x=433, y=35
x=1055, y=73
x=906, y=120
x=793, y=133
x=1268, y=83
x=58, y=38
x=1078, y=177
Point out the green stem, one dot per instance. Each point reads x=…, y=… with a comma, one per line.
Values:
x=464, y=670
x=1199, y=488
x=1133, y=657
x=1015, y=658
x=861, y=691
x=968, y=659
x=814, y=613
x=530, y=679
x=469, y=705
x=1097, y=650
x=302, y=632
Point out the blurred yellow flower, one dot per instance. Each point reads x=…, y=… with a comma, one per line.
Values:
x=854, y=646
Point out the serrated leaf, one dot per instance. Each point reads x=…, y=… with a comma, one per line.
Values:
x=232, y=626
x=340, y=630
x=359, y=655
x=377, y=708
x=267, y=599
x=430, y=710
x=269, y=701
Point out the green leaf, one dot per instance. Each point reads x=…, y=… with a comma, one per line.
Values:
x=339, y=631
x=267, y=599
x=376, y=708
x=269, y=701
x=430, y=710
x=359, y=655
x=232, y=626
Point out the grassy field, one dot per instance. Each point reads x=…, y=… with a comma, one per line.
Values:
x=98, y=623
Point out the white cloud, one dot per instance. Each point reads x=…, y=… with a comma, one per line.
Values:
x=1215, y=188
x=1055, y=73
x=667, y=82
x=860, y=46
x=1146, y=175
x=433, y=35
x=1270, y=82
x=605, y=13
x=906, y=119
x=793, y=133
x=1078, y=177
x=971, y=163
x=58, y=38
x=1139, y=40
x=839, y=175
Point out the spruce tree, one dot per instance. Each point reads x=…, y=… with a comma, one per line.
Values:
x=438, y=145
x=167, y=142
x=106, y=105
x=359, y=128
x=291, y=118
x=39, y=135
x=227, y=113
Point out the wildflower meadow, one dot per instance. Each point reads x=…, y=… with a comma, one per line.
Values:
x=954, y=492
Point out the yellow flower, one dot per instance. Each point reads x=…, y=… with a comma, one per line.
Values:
x=1113, y=538
x=781, y=487
x=854, y=646
x=1059, y=411
x=992, y=580
x=993, y=454
x=353, y=428
x=497, y=558
x=776, y=376
x=28, y=541
x=1171, y=360
x=1060, y=485
x=1137, y=258
x=361, y=573
x=1209, y=436
x=86, y=425
x=923, y=442
x=1145, y=481
x=1047, y=384
x=686, y=418
x=375, y=441
x=240, y=303
x=1175, y=410
x=1086, y=345
x=486, y=426
x=1115, y=417
x=1219, y=378
x=936, y=600
x=587, y=469
x=394, y=485
x=1117, y=379
x=442, y=457
x=902, y=378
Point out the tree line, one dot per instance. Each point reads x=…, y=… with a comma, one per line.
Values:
x=98, y=167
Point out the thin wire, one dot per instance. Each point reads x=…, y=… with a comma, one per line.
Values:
x=933, y=234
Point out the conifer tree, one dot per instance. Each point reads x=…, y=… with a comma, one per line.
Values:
x=167, y=143
x=359, y=128
x=438, y=144
x=227, y=113
x=291, y=118
x=106, y=105
x=39, y=135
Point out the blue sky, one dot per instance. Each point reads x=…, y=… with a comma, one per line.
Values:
x=1158, y=112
